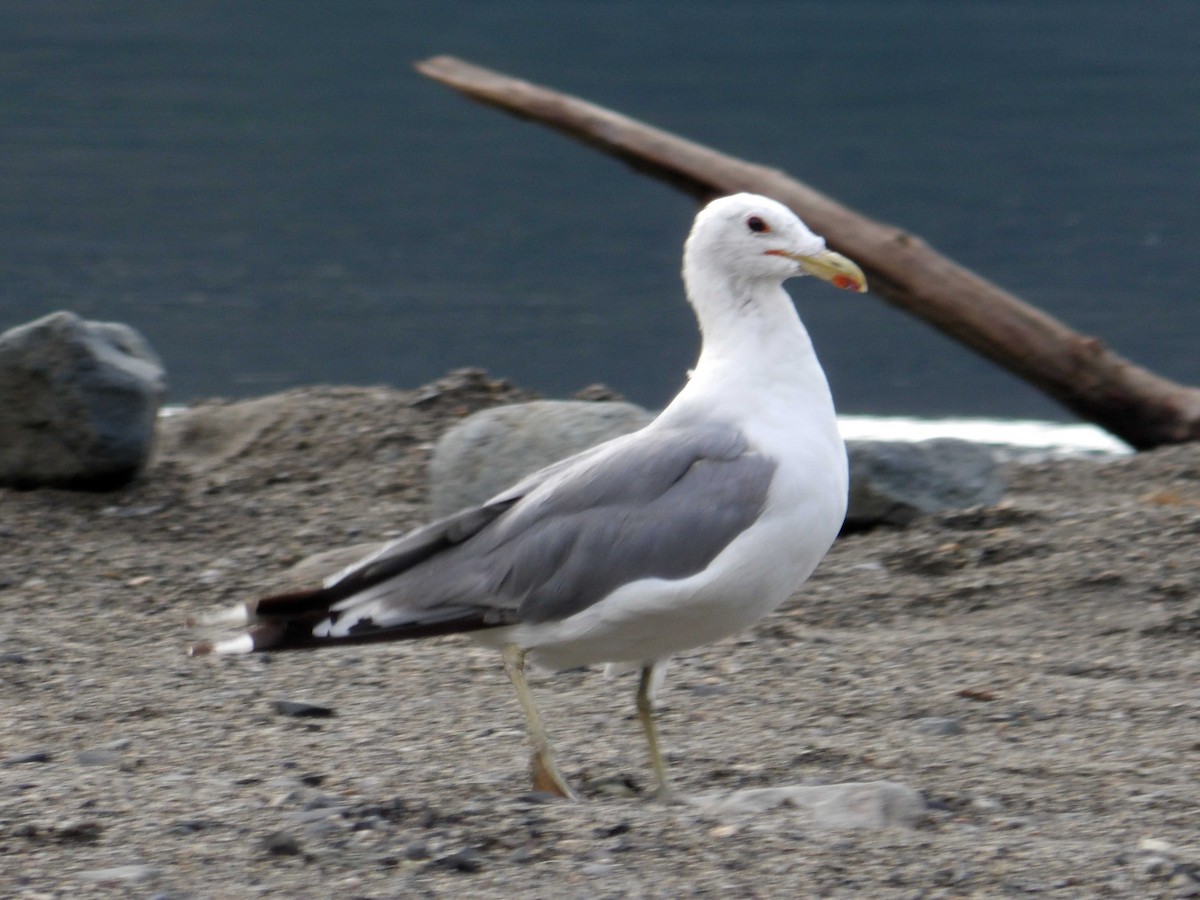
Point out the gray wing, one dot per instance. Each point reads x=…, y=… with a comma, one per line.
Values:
x=422, y=543
x=660, y=503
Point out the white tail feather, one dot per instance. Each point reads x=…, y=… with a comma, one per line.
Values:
x=230, y=617
x=241, y=643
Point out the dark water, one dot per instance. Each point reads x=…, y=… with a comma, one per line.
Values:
x=271, y=195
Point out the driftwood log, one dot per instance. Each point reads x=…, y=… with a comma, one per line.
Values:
x=1078, y=371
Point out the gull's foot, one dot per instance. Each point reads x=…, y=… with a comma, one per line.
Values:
x=547, y=779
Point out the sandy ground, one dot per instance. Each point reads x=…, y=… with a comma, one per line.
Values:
x=1059, y=633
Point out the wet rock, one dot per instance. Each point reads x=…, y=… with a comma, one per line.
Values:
x=894, y=482
x=78, y=403
x=493, y=449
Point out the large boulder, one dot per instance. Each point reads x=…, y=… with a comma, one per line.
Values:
x=891, y=482
x=493, y=449
x=894, y=482
x=78, y=403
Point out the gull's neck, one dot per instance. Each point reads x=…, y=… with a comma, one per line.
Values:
x=755, y=348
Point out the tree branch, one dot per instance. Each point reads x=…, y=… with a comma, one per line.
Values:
x=1078, y=371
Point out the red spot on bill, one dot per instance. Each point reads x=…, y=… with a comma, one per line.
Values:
x=845, y=282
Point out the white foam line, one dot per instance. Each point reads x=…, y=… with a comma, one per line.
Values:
x=1053, y=437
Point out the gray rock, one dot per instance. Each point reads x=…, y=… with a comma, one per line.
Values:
x=871, y=804
x=893, y=482
x=78, y=403
x=493, y=449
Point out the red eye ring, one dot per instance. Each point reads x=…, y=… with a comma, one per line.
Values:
x=757, y=225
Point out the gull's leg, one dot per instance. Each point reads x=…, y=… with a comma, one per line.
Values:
x=546, y=776
x=645, y=708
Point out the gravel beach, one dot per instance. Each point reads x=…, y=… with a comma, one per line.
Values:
x=1033, y=669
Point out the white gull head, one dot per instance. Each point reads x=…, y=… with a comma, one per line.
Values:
x=746, y=238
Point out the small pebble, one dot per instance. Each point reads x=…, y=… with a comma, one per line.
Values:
x=280, y=843
x=33, y=756
x=76, y=830
x=416, y=850
x=613, y=786
x=315, y=814
x=1158, y=866
x=1155, y=845
x=622, y=827
x=987, y=805
x=324, y=829
x=522, y=856
x=534, y=798
x=98, y=757
x=127, y=874
x=299, y=710
x=938, y=725
x=465, y=860
x=324, y=801
x=188, y=826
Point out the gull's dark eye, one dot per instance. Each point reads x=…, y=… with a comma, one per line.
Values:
x=757, y=225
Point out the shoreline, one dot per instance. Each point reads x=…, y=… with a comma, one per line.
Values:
x=1056, y=632
x=1013, y=438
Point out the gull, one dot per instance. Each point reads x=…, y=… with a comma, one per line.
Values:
x=656, y=542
